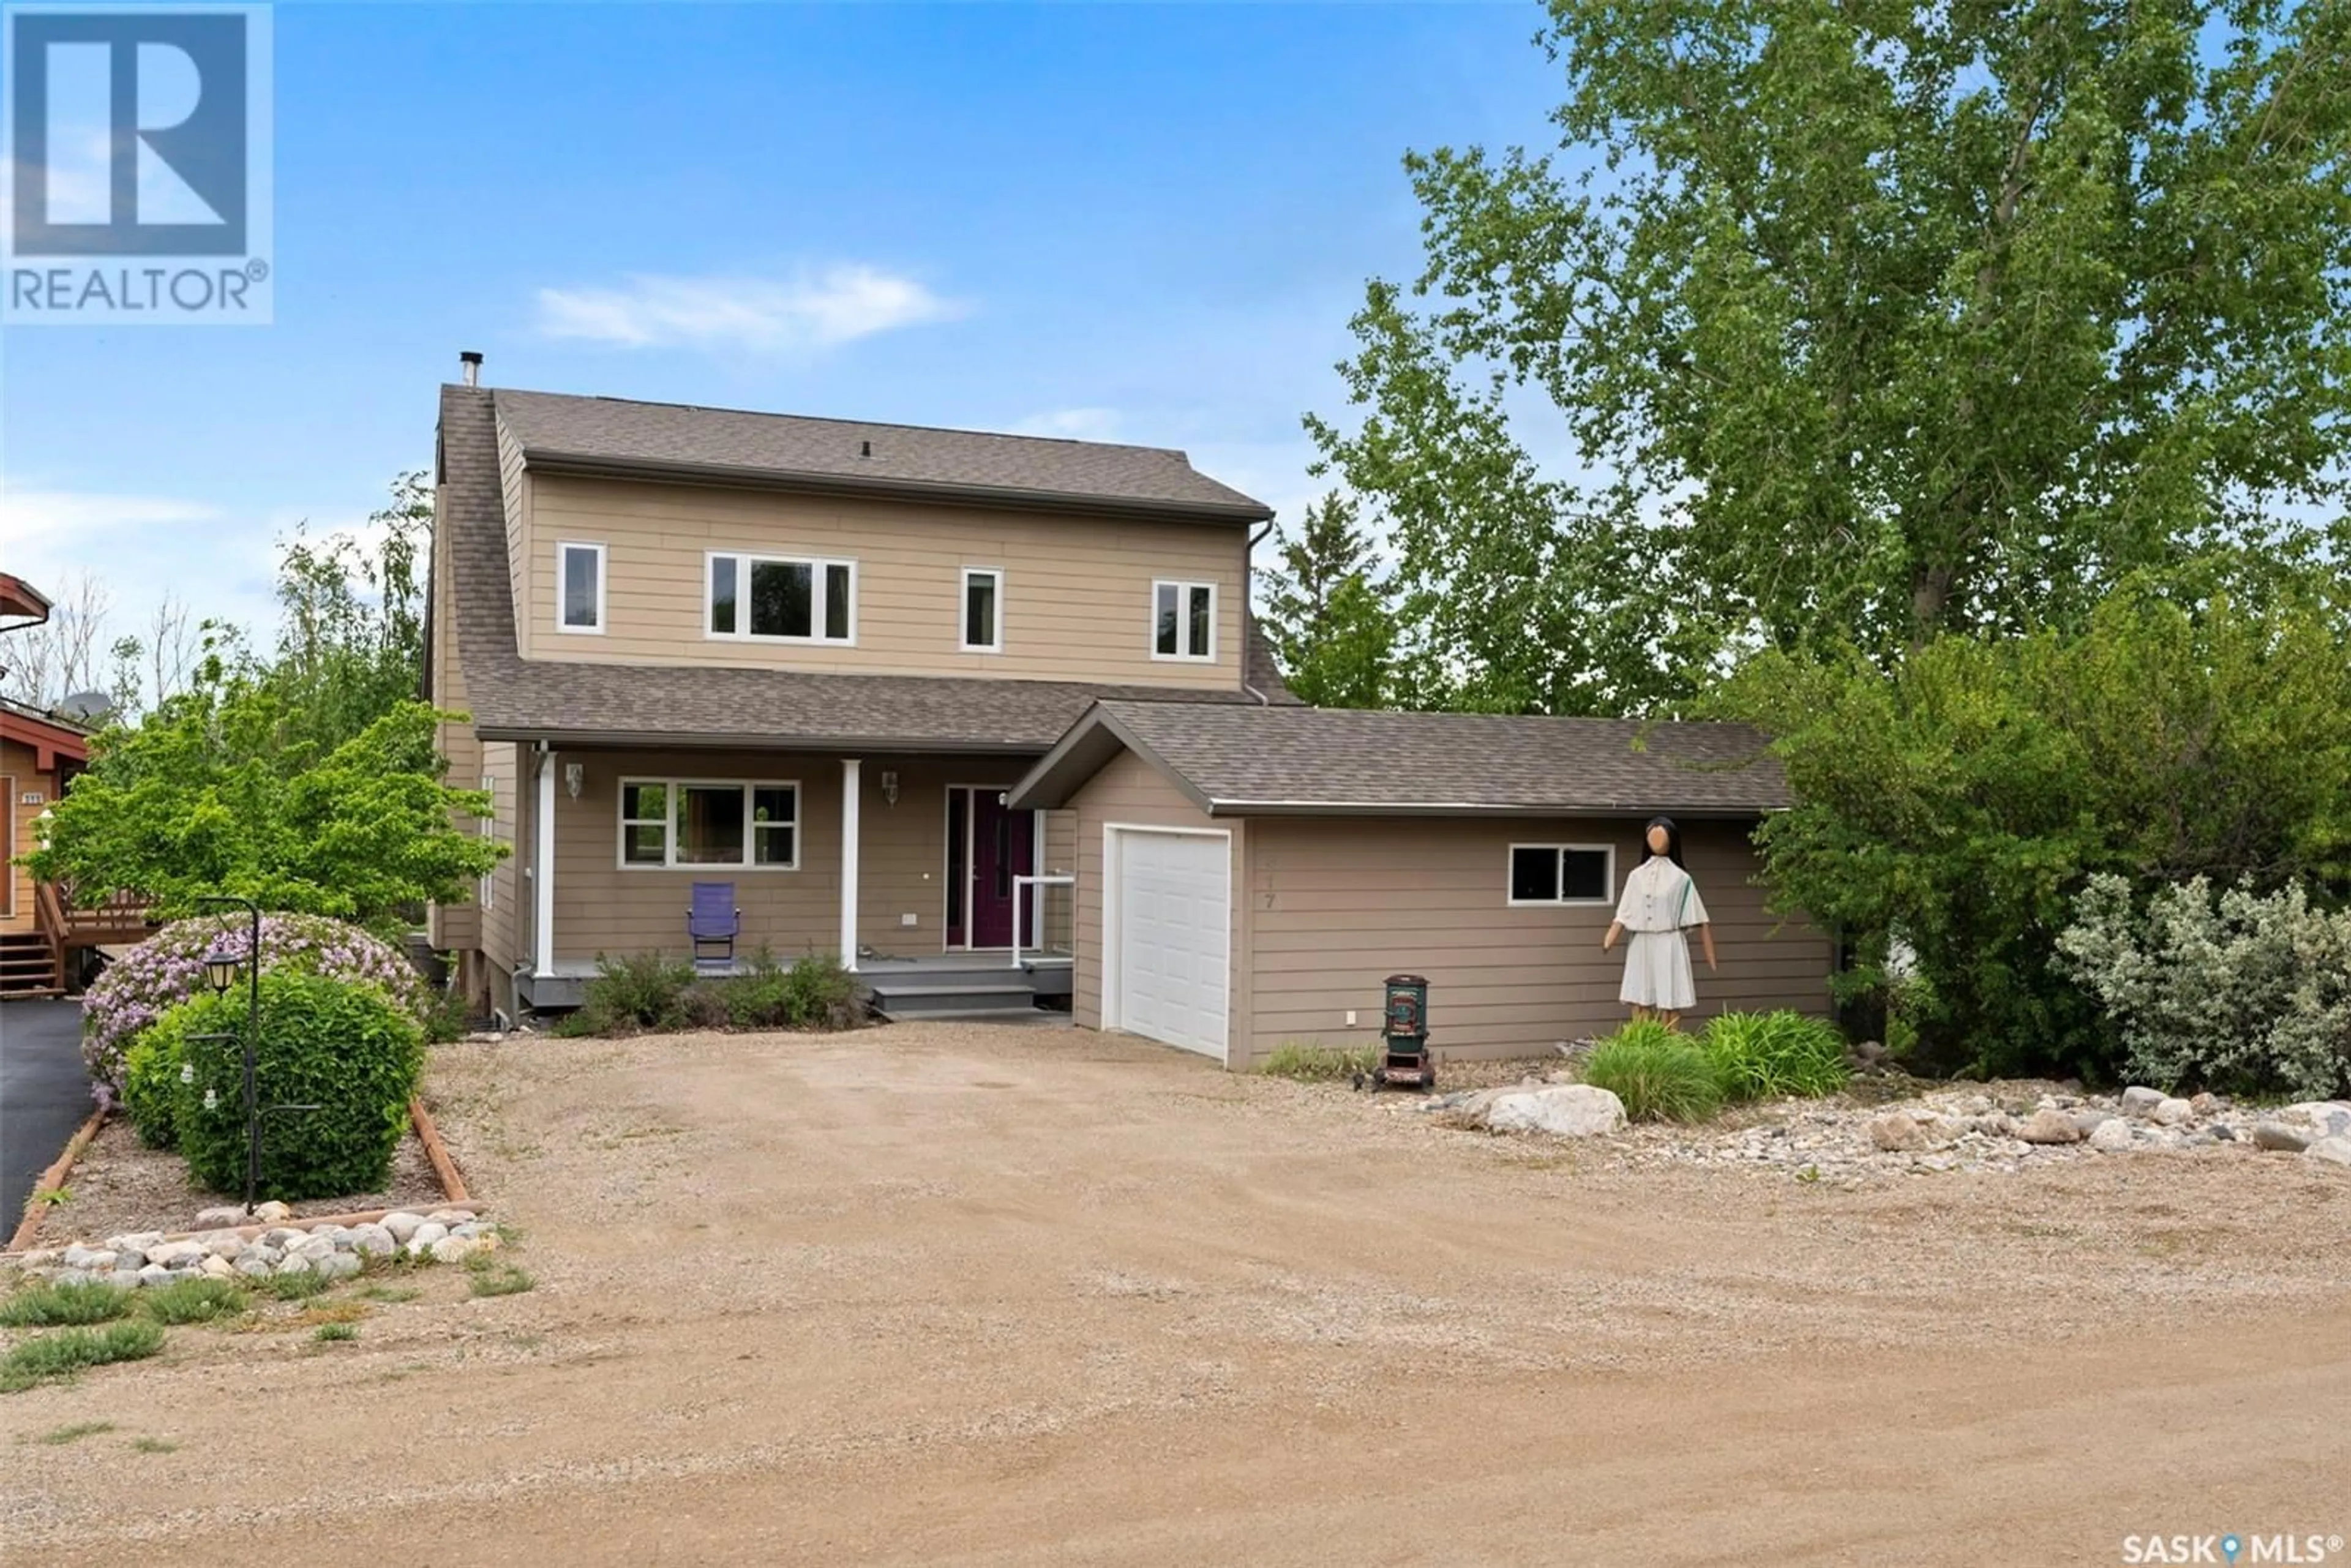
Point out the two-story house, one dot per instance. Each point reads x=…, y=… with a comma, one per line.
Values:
x=805, y=657
x=986, y=716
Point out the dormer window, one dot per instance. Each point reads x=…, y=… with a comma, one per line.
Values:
x=781, y=599
x=580, y=587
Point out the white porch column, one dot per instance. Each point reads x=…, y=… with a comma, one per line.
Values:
x=542, y=921
x=848, y=771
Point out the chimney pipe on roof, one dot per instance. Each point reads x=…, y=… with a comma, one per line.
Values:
x=472, y=359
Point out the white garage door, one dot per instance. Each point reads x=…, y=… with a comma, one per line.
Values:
x=1174, y=924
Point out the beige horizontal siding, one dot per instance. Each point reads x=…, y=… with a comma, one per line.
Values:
x=1076, y=598
x=1337, y=904
x=515, y=484
x=500, y=923
x=1129, y=791
x=604, y=907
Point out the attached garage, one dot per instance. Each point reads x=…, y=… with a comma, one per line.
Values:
x=1168, y=958
x=1247, y=876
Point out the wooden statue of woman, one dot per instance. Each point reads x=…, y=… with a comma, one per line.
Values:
x=1659, y=904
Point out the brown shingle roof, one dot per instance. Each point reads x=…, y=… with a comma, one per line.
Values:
x=1250, y=761
x=514, y=698
x=615, y=435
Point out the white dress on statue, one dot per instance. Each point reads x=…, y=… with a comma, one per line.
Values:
x=1659, y=904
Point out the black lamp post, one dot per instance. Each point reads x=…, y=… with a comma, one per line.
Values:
x=220, y=969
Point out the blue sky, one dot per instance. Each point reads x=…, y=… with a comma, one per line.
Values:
x=1143, y=224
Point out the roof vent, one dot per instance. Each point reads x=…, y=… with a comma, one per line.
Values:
x=471, y=358
x=865, y=449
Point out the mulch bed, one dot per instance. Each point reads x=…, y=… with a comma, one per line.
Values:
x=120, y=1185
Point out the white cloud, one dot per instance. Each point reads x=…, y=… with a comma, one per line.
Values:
x=815, y=310
x=37, y=516
x=1073, y=424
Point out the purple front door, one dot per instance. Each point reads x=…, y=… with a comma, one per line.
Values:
x=1002, y=845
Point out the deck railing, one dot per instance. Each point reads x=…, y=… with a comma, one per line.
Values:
x=120, y=917
x=1049, y=922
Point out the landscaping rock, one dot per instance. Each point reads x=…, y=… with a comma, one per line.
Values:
x=337, y=1265
x=313, y=1248
x=426, y=1235
x=2172, y=1112
x=272, y=1212
x=263, y=1250
x=2206, y=1105
x=1898, y=1132
x=372, y=1240
x=284, y=1238
x=94, y=1260
x=225, y=1244
x=126, y=1279
x=1566, y=1111
x=292, y=1263
x=254, y=1266
x=218, y=1267
x=481, y=1227
x=449, y=1216
x=2334, y=1151
x=2088, y=1122
x=177, y=1254
x=403, y=1225
x=154, y=1274
x=130, y=1258
x=2112, y=1136
x=2050, y=1126
x=457, y=1248
x=2279, y=1138
x=2139, y=1101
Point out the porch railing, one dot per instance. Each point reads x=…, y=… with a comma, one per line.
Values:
x=1051, y=921
x=120, y=915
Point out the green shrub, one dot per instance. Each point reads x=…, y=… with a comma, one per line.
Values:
x=199, y=1300
x=1661, y=1076
x=1308, y=1062
x=649, y=992
x=295, y=1286
x=67, y=1351
x=150, y=1087
x=495, y=1277
x=820, y=994
x=639, y=991
x=1765, y=1056
x=330, y=1333
x=2242, y=992
x=349, y=1051
x=44, y=1305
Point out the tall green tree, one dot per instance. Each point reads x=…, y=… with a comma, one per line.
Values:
x=1330, y=628
x=1858, y=322
x=350, y=639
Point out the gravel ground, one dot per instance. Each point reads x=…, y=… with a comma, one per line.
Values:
x=954, y=1292
x=120, y=1185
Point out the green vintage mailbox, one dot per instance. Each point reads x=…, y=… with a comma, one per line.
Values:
x=1404, y=1057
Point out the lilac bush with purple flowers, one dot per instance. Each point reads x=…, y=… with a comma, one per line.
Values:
x=169, y=968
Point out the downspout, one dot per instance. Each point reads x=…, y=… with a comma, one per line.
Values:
x=1248, y=607
x=543, y=867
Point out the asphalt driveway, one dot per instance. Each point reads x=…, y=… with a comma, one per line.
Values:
x=44, y=1095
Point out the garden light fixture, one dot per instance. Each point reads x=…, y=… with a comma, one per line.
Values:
x=220, y=968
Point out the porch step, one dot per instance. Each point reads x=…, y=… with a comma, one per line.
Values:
x=960, y=996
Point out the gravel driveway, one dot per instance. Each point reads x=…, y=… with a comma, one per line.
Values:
x=954, y=1292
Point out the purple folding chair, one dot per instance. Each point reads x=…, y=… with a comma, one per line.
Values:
x=712, y=924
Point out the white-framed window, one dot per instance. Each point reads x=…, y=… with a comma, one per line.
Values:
x=579, y=587
x=779, y=598
x=1183, y=620
x=700, y=824
x=1563, y=873
x=983, y=610
x=487, y=893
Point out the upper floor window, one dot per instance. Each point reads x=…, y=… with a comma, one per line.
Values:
x=580, y=587
x=983, y=610
x=1563, y=873
x=783, y=599
x=1184, y=621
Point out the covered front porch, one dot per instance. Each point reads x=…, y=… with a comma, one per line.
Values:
x=910, y=867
